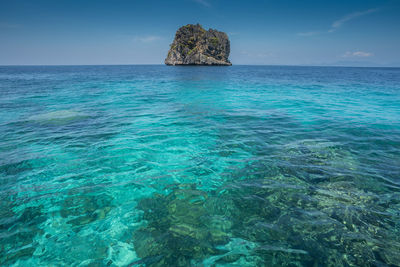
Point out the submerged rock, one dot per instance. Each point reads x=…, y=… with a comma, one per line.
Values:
x=278, y=220
x=193, y=45
x=58, y=117
x=80, y=208
x=19, y=231
x=180, y=229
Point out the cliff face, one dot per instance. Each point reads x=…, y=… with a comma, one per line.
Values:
x=195, y=46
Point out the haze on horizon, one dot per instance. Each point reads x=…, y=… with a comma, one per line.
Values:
x=44, y=32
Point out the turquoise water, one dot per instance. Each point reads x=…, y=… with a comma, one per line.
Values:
x=199, y=166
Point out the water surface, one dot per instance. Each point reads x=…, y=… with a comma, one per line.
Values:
x=199, y=166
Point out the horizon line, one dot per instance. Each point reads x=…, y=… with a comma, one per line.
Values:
x=153, y=64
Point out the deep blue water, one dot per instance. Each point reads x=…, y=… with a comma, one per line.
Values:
x=199, y=166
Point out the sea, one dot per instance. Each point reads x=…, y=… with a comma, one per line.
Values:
x=150, y=165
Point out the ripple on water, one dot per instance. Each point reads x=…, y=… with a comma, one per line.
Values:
x=241, y=166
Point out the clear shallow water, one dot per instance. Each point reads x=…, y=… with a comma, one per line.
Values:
x=201, y=166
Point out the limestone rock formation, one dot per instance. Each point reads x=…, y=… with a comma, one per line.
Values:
x=195, y=46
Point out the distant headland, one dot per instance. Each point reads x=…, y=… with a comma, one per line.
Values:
x=193, y=45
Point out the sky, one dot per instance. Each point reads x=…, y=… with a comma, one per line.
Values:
x=286, y=32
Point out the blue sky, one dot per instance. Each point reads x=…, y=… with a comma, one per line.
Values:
x=140, y=31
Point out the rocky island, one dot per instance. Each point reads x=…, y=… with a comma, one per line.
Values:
x=193, y=45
